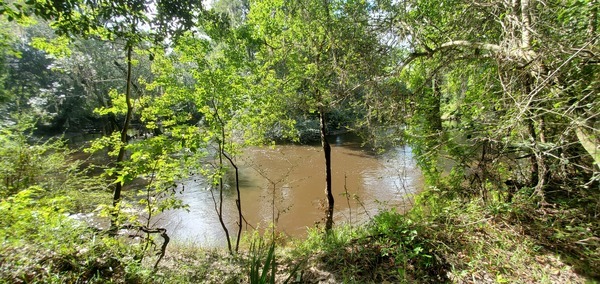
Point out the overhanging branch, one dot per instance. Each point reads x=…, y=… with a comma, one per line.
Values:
x=495, y=49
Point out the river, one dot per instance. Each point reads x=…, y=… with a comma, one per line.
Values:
x=285, y=185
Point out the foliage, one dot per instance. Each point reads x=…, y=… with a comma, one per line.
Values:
x=262, y=271
x=569, y=228
x=318, y=54
x=461, y=240
x=62, y=80
x=475, y=109
x=497, y=100
x=41, y=244
x=213, y=102
x=390, y=248
x=29, y=161
x=191, y=263
x=403, y=240
x=266, y=262
x=499, y=241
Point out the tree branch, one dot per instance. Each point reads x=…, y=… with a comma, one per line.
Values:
x=495, y=49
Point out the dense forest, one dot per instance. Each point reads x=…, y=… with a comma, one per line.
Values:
x=107, y=106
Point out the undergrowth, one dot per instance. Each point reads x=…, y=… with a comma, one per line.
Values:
x=465, y=240
x=41, y=241
x=460, y=241
x=41, y=244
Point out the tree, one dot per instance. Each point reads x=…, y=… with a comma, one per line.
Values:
x=323, y=52
x=63, y=80
x=208, y=87
x=120, y=21
x=236, y=10
x=508, y=75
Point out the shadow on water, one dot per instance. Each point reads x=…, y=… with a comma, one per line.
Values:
x=285, y=185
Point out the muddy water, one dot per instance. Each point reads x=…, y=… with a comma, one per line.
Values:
x=285, y=186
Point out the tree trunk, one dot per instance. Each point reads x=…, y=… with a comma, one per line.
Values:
x=525, y=26
x=221, y=188
x=533, y=180
x=238, y=201
x=538, y=164
x=593, y=20
x=543, y=173
x=436, y=113
x=221, y=184
x=328, y=191
x=121, y=156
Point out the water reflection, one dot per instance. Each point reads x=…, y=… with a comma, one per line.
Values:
x=286, y=185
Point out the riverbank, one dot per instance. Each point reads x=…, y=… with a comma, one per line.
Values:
x=458, y=242
x=438, y=241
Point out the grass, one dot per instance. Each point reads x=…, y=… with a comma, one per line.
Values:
x=481, y=247
x=190, y=263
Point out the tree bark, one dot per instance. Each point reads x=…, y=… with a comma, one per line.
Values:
x=539, y=171
x=517, y=54
x=221, y=184
x=593, y=20
x=525, y=25
x=328, y=189
x=121, y=155
x=543, y=173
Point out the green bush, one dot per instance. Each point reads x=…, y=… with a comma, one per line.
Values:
x=41, y=186
x=42, y=244
x=27, y=161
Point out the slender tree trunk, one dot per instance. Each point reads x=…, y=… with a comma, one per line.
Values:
x=237, y=185
x=328, y=190
x=483, y=168
x=525, y=25
x=534, y=177
x=220, y=208
x=543, y=173
x=533, y=180
x=436, y=113
x=538, y=165
x=121, y=156
x=238, y=201
x=593, y=20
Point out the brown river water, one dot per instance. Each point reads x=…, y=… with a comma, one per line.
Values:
x=285, y=186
